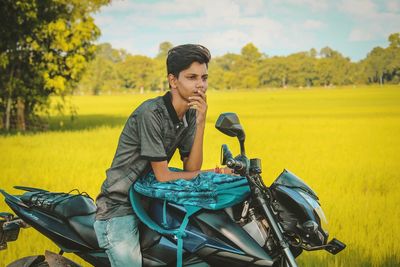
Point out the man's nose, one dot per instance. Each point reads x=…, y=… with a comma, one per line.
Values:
x=201, y=85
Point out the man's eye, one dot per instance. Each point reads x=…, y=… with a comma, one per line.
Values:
x=205, y=78
x=192, y=77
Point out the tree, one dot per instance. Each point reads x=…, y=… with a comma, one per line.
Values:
x=101, y=73
x=138, y=72
x=275, y=72
x=382, y=65
x=298, y=66
x=333, y=68
x=160, y=64
x=250, y=53
x=163, y=49
x=394, y=40
x=393, y=52
x=376, y=65
x=44, y=48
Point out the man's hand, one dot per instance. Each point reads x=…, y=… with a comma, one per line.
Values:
x=199, y=103
x=224, y=170
x=163, y=174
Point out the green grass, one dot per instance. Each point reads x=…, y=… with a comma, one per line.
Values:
x=343, y=142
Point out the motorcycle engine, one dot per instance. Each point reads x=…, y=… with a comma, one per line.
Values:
x=255, y=228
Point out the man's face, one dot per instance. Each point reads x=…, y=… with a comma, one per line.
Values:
x=190, y=80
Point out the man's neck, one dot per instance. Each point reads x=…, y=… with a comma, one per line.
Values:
x=180, y=105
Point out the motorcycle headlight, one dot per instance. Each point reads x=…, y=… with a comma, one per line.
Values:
x=317, y=209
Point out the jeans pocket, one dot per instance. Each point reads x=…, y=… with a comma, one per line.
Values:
x=121, y=229
x=100, y=228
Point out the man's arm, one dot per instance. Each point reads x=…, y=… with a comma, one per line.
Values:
x=195, y=159
x=163, y=174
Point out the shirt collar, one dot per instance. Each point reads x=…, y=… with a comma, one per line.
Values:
x=170, y=108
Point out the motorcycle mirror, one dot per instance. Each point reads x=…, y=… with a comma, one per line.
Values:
x=228, y=123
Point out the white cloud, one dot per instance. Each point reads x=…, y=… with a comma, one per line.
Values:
x=311, y=24
x=321, y=5
x=119, y=6
x=221, y=42
x=255, y=7
x=370, y=21
x=360, y=35
x=358, y=8
x=227, y=25
x=393, y=6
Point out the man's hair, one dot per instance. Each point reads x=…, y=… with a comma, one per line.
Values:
x=181, y=57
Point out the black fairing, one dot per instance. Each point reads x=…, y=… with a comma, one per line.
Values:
x=211, y=237
x=289, y=179
x=295, y=212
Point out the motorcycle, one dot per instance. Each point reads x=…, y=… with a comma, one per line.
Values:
x=272, y=227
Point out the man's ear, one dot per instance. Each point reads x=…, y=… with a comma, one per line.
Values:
x=172, y=81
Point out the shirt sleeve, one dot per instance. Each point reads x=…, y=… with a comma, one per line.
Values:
x=187, y=142
x=150, y=136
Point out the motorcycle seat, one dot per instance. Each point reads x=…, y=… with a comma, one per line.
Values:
x=62, y=205
x=83, y=225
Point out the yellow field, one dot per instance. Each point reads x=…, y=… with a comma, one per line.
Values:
x=343, y=142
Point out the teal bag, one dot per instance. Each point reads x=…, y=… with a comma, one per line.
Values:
x=208, y=190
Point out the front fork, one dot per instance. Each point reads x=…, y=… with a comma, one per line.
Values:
x=275, y=228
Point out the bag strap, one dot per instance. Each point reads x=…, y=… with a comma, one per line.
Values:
x=190, y=210
x=149, y=222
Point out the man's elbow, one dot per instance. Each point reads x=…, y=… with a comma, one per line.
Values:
x=162, y=176
x=192, y=167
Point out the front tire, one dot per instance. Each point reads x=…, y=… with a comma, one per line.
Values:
x=30, y=261
x=49, y=259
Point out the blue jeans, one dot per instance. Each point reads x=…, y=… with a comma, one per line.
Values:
x=119, y=236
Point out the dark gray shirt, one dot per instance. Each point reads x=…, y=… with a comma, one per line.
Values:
x=152, y=133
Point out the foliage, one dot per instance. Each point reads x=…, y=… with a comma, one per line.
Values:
x=383, y=64
x=247, y=70
x=44, y=47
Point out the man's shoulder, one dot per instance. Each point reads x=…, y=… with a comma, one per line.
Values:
x=152, y=105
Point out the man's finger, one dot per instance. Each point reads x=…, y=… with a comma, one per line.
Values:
x=202, y=94
x=198, y=98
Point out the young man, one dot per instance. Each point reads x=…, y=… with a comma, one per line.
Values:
x=149, y=139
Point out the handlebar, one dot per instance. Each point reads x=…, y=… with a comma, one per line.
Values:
x=230, y=161
x=235, y=164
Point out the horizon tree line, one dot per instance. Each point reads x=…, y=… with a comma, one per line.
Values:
x=115, y=70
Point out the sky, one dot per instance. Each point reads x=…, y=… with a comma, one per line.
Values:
x=275, y=27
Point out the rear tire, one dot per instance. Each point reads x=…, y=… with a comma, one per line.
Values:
x=30, y=261
x=50, y=259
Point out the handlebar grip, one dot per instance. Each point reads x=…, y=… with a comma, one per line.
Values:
x=226, y=152
x=234, y=164
x=230, y=161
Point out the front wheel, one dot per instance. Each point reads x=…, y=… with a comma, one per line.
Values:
x=282, y=262
x=49, y=259
x=30, y=261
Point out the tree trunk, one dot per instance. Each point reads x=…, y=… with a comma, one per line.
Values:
x=381, y=80
x=1, y=121
x=9, y=99
x=21, y=114
x=8, y=113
